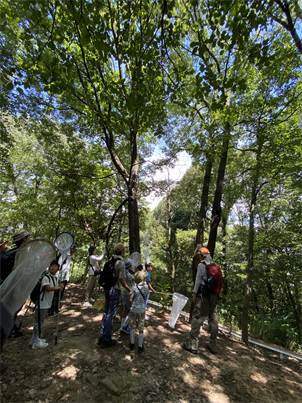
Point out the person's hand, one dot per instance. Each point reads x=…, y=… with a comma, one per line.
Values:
x=61, y=286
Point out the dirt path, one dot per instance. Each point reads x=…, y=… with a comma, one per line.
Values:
x=76, y=369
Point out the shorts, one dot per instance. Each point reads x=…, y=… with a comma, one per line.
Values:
x=126, y=301
x=137, y=317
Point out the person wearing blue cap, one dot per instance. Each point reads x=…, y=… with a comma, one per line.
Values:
x=93, y=265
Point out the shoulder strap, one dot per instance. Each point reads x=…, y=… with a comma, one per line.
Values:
x=141, y=293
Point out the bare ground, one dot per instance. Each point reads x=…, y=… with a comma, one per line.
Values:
x=76, y=369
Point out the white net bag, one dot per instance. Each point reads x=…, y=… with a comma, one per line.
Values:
x=63, y=243
x=179, y=302
x=32, y=258
x=136, y=259
x=146, y=253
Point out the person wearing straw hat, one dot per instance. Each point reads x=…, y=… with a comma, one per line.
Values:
x=138, y=297
x=203, y=307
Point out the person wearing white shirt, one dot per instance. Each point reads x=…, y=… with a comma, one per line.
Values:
x=93, y=266
x=49, y=285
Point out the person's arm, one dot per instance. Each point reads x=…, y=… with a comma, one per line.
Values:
x=98, y=258
x=201, y=271
x=131, y=299
x=48, y=288
x=150, y=287
x=123, y=282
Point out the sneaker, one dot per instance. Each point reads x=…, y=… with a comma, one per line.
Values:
x=87, y=304
x=188, y=347
x=31, y=341
x=140, y=349
x=91, y=300
x=131, y=346
x=125, y=329
x=210, y=349
x=106, y=344
x=40, y=345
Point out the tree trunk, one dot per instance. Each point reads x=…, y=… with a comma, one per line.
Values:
x=202, y=216
x=249, y=270
x=216, y=210
x=294, y=307
x=250, y=263
x=131, y=181
x=203, y=206
x=170, y=243
x=134, y=241
x=224, y=252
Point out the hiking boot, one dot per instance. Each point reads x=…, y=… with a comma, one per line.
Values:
x=131, y=346
x=87, y=304
x=106, y=344
x=125, y=329
x=32, y=342
x=140, y=349
x=39, y=345
x=210, y=349
x=188, y=347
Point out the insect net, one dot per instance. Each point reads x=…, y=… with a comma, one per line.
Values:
x=179, y=302
x=63, y=243
x=32, y=259
x=136, y=259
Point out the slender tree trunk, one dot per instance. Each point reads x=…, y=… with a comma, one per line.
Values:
x=110, y=224
x=131, y=181
x=289, y=25
x=224, y=252
x=292, y=302
x=199, y=240
x=297, y=300
x=216, y=210
x=203, y=206
x=249, y=270
x=250, y=263
x=134, y=241
x=170, y=242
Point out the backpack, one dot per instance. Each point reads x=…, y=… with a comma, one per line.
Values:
x=34, y=295
x=214, y=280
x=107, y=278
x=7, y=263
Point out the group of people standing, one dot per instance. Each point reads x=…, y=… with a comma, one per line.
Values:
x=136, y=283
x=135, y=294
